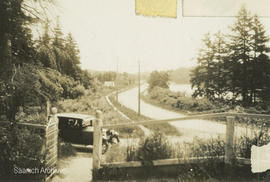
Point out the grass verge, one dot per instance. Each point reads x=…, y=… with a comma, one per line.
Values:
x=133, y=115
x=90, y=102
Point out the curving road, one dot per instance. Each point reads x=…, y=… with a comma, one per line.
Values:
x=188, y=129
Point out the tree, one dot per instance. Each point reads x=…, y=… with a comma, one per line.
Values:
x=202, y=76
x=220, y=63
x=59, y=47
x=158, y=79
x=45, y=49
x=260, y=63
x=240, y=46
x=71, y=64
x=236, y=65
x=16, y=48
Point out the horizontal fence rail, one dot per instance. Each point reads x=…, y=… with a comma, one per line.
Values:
x=228, y=158
x=189, y=117
x=162, y=162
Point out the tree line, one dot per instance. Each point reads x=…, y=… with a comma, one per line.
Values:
x=235, y=68
x=32, y=70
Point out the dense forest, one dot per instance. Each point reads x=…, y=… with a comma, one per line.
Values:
x=34, y=71
x=235, y=67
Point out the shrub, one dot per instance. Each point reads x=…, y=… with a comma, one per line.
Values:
x=77, y=91
x=154, y=147
x=212, y=147
x=178, y=100
x=65, y=149
x=20, y=147
x=244, y=143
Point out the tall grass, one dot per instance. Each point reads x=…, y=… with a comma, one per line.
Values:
x=158, y=146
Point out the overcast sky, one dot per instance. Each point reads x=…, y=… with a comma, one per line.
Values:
x=109, y=30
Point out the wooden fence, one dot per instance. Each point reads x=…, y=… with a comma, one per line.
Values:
x=229, y=139
x=51, y=145
x=49, y=134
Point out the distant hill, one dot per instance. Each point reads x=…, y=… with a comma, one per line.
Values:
x=180, y=75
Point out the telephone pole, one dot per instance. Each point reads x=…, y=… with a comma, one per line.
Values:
x=116, y=81
x=139, y=89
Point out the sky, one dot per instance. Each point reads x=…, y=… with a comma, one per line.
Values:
x=109, y=33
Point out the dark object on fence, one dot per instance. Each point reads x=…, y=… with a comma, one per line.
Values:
x=109, y=138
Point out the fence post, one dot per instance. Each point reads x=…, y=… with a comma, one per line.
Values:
x=52, y=140
x=97, y=143
x=48, y=109
x=54, y=114
x=229, y=154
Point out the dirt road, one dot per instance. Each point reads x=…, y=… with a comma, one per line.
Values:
x=189, y=128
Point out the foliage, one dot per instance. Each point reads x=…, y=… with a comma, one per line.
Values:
x=120, y=80
x=90, y=102
x=154, y=147
x=212, y=147
x=33, y=85
x=20, y=148
x=117, y=153
x=159, y=146
x=31, y=73
x=178, y=101
x=234, y=67
x=107, y=76
x=34, y=71
x=158, y=79
x=77, y=91
x=65, y=150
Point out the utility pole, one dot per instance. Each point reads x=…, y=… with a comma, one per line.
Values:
x=139, y=89
x=116, y=81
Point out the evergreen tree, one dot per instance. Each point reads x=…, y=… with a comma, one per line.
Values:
x=260, y=63
x=59, y=47
x=71, y=64
x=240, y=46
x=45, y=49
x=238, y=66
x=220, y=70
x=202, y=77
x=16, y=49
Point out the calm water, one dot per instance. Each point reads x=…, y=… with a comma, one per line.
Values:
x=181, y=88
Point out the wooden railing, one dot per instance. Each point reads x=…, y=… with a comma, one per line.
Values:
x=229, y=138
x=49, y=133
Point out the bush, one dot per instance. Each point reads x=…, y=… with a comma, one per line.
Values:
x=154, y=147
x=20, y=147
x=65, y=150
x=77, y=91
x=212, y=147
x=178, y=100
x=244, y=143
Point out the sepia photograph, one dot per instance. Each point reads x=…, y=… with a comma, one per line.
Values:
x=135, y=90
